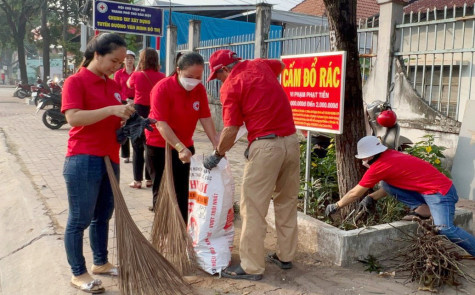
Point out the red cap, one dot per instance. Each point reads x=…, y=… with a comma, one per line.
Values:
x=220, y=59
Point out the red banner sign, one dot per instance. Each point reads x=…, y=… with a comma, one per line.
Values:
x=315, y=86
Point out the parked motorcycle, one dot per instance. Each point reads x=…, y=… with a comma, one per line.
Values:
x=383, y=121
x=54, y=87
x=22, y=90
x=50, y=86
x=53, y=118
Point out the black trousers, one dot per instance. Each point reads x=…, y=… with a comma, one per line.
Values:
x=138, y=161
x=181, y=175
x=125, y=149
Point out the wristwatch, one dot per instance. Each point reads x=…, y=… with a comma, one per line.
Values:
x=179, y=147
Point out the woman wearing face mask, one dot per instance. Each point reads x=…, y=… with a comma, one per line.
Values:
x=143, y=80
x=92, y=105
x=177, y=103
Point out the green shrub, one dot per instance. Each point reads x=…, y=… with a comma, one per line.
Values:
x=430, y=152
x=323, y=186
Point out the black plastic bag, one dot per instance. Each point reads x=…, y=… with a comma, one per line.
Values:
x=134, y=128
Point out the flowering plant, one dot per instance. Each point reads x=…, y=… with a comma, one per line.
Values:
x=430, y=152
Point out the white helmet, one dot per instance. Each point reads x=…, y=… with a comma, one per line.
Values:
x=369, y=146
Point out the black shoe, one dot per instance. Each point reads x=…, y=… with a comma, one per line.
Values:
x=274, y=259
x=236, y=272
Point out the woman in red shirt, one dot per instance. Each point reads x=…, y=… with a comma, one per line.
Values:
x=143, y=80
x=92, y=105
x=121, y=77
x=177, y=103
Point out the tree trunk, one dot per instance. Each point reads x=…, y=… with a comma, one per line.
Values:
x=65, y=36
x=46, y=39
x=19, y=40
x=343, y=36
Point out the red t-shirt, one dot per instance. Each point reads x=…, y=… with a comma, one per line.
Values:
x=253, y=95
x=144, y=85
x=181, y=109
x=406, y=172
x=121, y=77
x=87, y=91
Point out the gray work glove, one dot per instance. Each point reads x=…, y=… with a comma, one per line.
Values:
x=331, y=209
x=211, y=161
x=368, y=204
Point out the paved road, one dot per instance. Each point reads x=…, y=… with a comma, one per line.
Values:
x=34, y=210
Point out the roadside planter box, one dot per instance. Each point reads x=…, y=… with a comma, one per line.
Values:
x=346, y=247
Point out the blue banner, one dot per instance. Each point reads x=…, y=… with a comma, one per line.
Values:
x=127, y=18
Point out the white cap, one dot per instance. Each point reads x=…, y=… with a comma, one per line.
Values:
x=130, y=52
x=369, y=146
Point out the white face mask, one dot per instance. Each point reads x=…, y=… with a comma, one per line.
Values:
x=189, y=83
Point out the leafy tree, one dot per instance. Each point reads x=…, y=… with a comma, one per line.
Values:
x=7, y=45
x=17, y=14
x=343, y=29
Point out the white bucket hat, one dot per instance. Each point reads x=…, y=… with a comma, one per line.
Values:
x=369, y=146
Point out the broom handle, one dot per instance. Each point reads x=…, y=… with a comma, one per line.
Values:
x=169, y=171
x=113, y=180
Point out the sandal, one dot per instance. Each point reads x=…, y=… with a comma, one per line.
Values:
x=274, y=259
x=87, y=284
x=236, y=272
x=136, y=184
x=106, y=269
x=409, y=216
x=148, y=183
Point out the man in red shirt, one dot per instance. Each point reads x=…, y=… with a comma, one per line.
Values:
x=251, y=94
x=412, y=181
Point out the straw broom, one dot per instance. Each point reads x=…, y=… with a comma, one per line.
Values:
x=169, y=233
x=142, y=270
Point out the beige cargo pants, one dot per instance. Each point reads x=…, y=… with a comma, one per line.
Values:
x=272, y=171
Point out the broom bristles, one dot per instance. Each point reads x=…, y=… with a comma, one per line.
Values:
x=169, y=233
x=142, y=269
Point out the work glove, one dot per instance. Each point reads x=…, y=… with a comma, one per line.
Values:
x=331, y=209
x=212, y=161
x=368, y=204
x=133, y=128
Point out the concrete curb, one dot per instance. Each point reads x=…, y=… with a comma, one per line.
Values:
x=344, y=248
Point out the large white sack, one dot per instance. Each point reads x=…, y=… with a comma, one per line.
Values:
x=210, y=218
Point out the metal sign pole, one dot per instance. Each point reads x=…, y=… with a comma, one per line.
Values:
x=308, y=162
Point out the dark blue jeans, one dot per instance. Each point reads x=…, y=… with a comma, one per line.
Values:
x=91, y=203
x=442, y=209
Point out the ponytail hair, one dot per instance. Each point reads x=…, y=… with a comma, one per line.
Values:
x=187, y=59
x=101, y=44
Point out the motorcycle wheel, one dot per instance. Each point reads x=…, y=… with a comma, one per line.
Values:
x=50, y=122
x=21, y=94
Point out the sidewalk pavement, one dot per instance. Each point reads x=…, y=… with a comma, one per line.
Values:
x=34, y=212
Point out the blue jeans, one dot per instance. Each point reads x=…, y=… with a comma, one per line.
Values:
x=442, y=208
x=91, y=203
